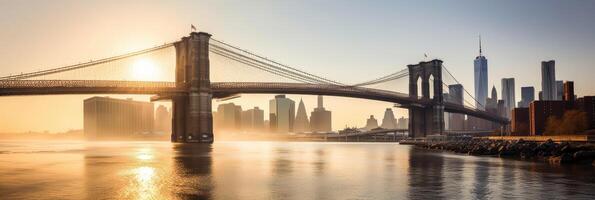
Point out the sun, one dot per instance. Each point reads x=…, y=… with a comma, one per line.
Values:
x=144, y=69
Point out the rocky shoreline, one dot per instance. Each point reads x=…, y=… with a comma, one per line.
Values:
x=555, y=153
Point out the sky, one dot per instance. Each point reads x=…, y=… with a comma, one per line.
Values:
x=348, y=41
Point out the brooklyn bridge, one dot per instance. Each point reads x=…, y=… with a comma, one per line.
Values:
x=192, y=91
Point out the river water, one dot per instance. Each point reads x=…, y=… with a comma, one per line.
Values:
x=274, y=170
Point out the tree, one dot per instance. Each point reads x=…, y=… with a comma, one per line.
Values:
x=552, y=125
x=573, y=122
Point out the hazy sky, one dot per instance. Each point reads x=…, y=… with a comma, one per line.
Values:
x=349, y=41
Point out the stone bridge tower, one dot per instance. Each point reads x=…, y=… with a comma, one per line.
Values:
x=192, y=120
x=426, y=119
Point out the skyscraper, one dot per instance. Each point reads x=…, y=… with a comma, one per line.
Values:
x=456, y=121
x=228, y=116
x=446, y=117
x=569, y=91
x=492, y=103
x=162, y=120
x=371, y=123
x=492, y=108
x=559, y=90
x=527, y=96
x=253, y=119
x=501, y=108
x=320, y=118
x=282, y=112
x=548, y=80
x=389, y=121
x=455, y=92
x=508, y=95
x=402, y=123
x=301, y=123
x=481, y=79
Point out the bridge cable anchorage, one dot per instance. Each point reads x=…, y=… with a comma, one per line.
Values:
x=261, y=67
x=83, y=65
x=277, y=63
x=270, y=66
x=476, y=101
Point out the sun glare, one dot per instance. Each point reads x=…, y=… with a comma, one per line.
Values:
x=145, y=69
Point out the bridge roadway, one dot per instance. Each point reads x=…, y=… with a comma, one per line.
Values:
x=223, y=89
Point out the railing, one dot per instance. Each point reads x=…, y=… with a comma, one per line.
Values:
x=81, y=83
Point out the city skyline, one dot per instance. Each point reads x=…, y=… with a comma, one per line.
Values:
x=505, y=52
x=285, y=99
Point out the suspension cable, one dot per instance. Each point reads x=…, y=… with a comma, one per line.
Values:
x=277, y=63
x=399, y=76
x=259, y=66
x=385, y=78
x=278, y=69
x=83, y=65
x=447, y=71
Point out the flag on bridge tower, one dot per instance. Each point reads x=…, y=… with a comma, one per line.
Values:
x=192, y=28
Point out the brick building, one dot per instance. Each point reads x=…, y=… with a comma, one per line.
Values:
x=540, y=111
x=520, y=121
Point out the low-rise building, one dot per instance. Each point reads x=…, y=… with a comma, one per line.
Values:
x=587, y=105
x=520, y=121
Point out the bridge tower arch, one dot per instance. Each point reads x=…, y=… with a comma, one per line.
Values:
x=426, y=119
x=192, y=120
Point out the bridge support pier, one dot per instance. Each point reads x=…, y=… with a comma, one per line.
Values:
x=192, y=120
x=426, y=119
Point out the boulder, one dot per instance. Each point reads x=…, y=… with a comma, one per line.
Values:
x=563, y=159
x=584, y=155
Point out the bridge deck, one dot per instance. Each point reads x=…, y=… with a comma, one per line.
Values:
x=222, y=89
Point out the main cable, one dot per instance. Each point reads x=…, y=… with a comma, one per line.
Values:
x=83, y=65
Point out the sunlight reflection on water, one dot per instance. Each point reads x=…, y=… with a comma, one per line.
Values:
x=274, y=170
